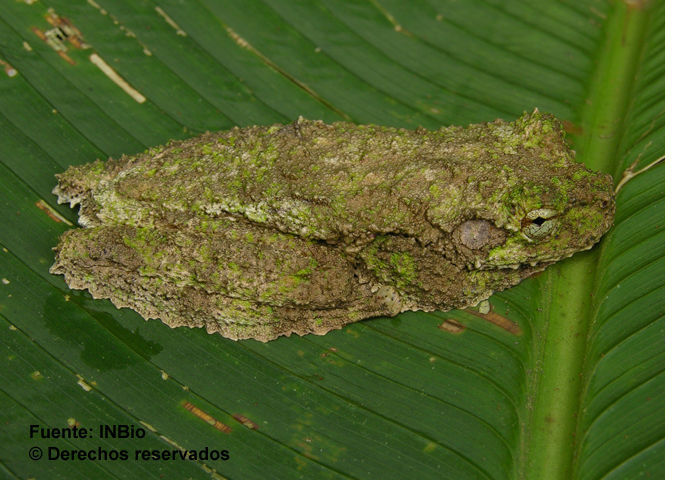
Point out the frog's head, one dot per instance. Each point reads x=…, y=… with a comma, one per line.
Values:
x=544, y=207
x=539, y=228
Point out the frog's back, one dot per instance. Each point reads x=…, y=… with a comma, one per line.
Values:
x=337, y=182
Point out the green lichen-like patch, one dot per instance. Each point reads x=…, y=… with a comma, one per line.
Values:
x=585, y=219
x=404, y=266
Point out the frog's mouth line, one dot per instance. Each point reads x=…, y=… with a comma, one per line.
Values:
x=534, y=266
x=527, y=269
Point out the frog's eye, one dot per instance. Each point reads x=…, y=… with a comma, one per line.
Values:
x=539, y=223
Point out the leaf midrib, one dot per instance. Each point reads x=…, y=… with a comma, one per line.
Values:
x=551, y=439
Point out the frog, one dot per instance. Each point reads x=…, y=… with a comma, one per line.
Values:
x=266, y=231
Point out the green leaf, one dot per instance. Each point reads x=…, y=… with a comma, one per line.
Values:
x=569, y=384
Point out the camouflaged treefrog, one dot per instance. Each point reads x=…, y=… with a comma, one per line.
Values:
x=265, y=231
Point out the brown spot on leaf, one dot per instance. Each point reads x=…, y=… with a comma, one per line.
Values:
x=42, y=205
x=55, y=44
x=571, y=128
x=65, y=29
x=62, y=35
x=498, y=320
x=65, y=57
x=331, y=349
x=196, y=411
x=9, y=70
x=452, y=326
x=73, y=423
x=245, y=421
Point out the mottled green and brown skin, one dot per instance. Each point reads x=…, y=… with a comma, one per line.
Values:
x=302, y=228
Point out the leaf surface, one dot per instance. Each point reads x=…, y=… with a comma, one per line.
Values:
x=572, y=388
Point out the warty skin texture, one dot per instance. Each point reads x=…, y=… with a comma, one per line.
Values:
x=265, y=231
